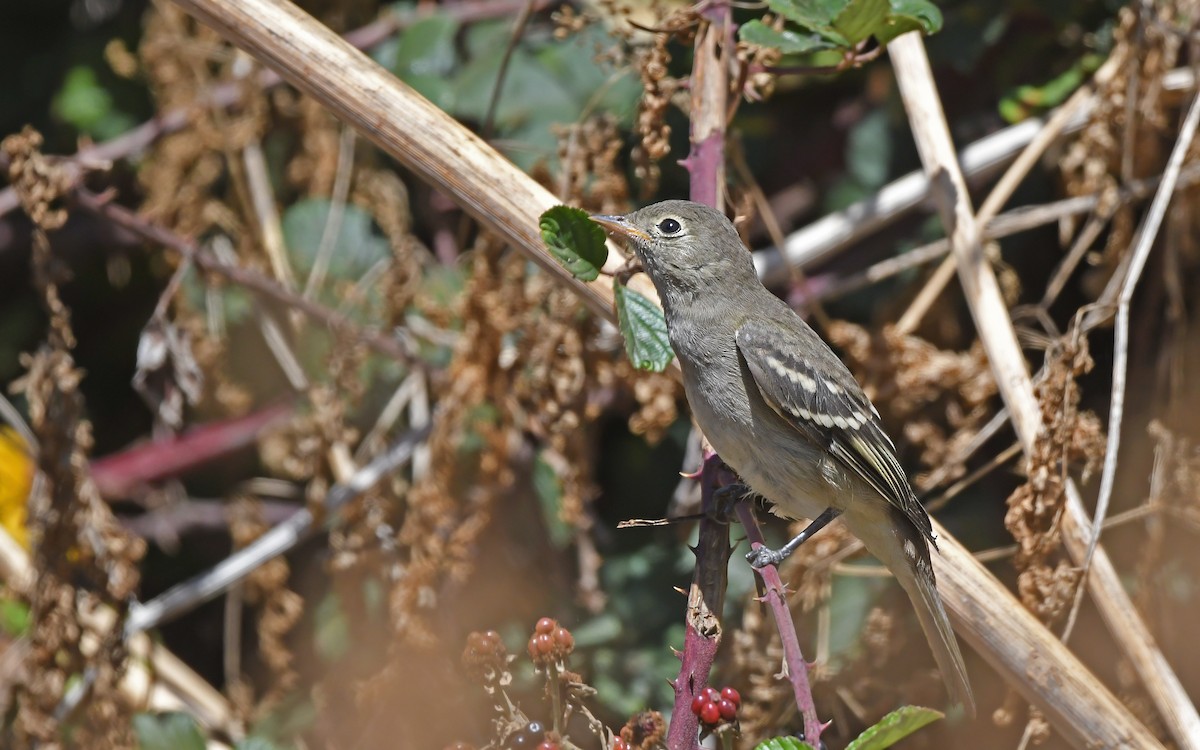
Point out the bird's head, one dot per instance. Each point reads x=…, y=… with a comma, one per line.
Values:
x=681, y=244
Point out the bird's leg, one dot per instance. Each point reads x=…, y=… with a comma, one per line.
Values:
x=762, y=557
x=726, y=497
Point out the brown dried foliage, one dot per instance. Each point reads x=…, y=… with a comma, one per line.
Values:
x=278, y=611
x=1072, y=438
x=83, y=560
x=940, y=397
x=1130, y=130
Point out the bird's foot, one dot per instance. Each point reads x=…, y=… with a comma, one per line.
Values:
x=761, y=557
x=764, y=556
x=726, y=498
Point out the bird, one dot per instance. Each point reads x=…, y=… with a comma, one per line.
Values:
x=780, y=408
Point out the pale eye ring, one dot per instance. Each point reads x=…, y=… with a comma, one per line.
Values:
x=669, y=226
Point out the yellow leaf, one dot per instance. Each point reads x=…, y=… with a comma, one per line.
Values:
x=16, y=477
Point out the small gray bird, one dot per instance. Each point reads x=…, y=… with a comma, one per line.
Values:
x=781, y=409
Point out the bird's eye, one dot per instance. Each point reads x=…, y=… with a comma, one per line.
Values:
x=669, y=226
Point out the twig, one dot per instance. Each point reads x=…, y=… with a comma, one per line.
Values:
x=266, y=213
x=190, y=594
x=1021, y=219
x=252, y=280
x=1140, y=253
x=793, y=658
x=226, y=94
x=996, y=333
x=834, y=232
x=337, y=211
x=705, y=605
x=1063, y=116
x=489, y=119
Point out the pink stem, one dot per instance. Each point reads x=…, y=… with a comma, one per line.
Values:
x=776, y=599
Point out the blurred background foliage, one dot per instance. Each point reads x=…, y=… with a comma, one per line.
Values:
x=77, y=71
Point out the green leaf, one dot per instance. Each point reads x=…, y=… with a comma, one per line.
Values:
x=814, y=15
x=426, y=57
x=170, y=731
x=331, y=628
x=909, y=15
x=88, y=106
x=861, y=18
x=783, y=743
x=787, y=41
x=15, y=617
x=644, y=328
x=894, y=727
x=869, y=150
x=356, y=245
x=574, y=240
x=548, y=488
x=257, y=743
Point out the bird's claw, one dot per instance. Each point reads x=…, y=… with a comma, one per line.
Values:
x=761, y=557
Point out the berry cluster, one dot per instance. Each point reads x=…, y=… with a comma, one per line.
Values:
x=550, y=642
x=714, y=707
x=485, y=656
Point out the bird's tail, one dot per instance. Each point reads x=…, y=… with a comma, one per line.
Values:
x=906, y=554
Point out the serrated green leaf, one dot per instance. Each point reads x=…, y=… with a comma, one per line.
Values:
x=909, y=15
x=574, y=240
x=813, y=15
x=861, y=18
x=894, y=727
x=170, y=731
x=783, y=743
x=644, y=328
x=788, y=42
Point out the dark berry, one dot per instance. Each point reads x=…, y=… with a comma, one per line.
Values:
x=698, y=703
x=710, y=714
x=620, y=744
x=727, y=709
x=732, y=696
x=534, y=728
x=545, y=625
x=711, y=694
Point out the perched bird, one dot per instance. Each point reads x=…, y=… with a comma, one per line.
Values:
x=781, y=409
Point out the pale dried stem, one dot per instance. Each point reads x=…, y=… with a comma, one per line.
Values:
x=1120, y=728
x=1004, y=189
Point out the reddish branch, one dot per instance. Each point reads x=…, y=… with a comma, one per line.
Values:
x=710, y=86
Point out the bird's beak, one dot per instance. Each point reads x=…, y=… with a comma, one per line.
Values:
x=620, y=226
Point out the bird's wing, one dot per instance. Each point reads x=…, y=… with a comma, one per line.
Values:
x=836, y=416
